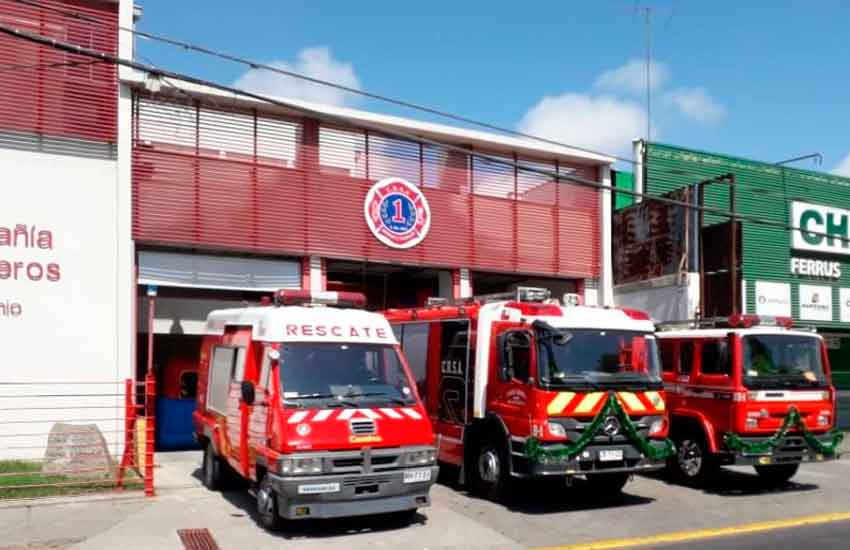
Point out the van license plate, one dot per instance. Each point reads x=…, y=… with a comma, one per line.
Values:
x=417, y=476
x=610, y=455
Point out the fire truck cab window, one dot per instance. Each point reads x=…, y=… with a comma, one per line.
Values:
x=516, y=356
x=686, y=357
x=312, y=374
x=667, y=349
x=414, y=343
x=714, y=357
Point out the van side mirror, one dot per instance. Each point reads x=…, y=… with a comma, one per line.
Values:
x=248, y=393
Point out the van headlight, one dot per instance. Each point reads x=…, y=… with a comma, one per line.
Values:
x=301, y=465
x=420, y=458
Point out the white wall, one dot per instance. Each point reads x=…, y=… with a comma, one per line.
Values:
x=671, y=302
x=74, y=328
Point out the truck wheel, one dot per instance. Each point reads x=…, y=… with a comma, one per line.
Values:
x=777, y=474
x=267, y=510
x=607, y=484
x=692, y=464
x=489, y=469
x=211, y=469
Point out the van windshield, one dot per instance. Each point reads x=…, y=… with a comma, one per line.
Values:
x=343, y=375
x=782, y=361
x=594, y=357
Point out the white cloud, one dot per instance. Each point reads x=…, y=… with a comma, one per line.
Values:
x=631, y=77
x=313, y=62
x=843, y=168
x=695, y=104
x=601, y=123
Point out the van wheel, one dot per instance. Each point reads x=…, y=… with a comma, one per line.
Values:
x=489, y=469
x=692, y=464
x=777, y=474
x=211, y=469
x=607, y=484
x=267, y=509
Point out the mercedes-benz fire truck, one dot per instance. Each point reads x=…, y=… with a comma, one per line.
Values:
x=747, y=390
x=315, y=407
x=520, y=386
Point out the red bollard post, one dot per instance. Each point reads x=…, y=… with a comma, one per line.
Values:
x=150, y=396
x=129, y=428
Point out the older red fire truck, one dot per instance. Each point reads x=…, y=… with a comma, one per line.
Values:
x=747, y=390
x=314, y=405
x=518, y=386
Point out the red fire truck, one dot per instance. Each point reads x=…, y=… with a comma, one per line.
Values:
x=517, y=386
x=747, y=390
x=315, y=406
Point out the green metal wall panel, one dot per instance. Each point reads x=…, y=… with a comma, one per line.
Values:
x=623, y=180
x=764, y=191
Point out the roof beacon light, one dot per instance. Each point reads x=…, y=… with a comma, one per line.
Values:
x=571, y=299
x=532, y=294
x=326, y=298
x=747, y=320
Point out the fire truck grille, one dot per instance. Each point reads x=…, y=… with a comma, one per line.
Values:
x=366, y=480
x=358, y=461
x=363, y=427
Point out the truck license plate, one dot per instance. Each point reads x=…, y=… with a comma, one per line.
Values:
x=610, y=455
x=417, y=476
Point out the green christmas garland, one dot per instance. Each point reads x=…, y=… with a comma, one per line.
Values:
x=536, y=452
x=793, y=419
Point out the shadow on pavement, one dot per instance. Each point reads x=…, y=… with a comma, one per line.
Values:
x=733, y=483
x=536, y=496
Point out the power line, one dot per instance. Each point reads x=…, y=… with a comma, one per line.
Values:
x=371, y=95
x=343, y=121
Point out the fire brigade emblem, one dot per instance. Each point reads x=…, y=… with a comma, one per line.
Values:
x=611, y=426
x=397, y=213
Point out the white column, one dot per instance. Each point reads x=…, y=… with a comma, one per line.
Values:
x=317, y=274
x=606, y=278
x=465, y=284
x=638, y=151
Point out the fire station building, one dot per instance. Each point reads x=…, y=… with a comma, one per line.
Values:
x=134, y=204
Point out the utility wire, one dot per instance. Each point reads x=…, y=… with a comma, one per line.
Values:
x=343, y=121
x=371, y=95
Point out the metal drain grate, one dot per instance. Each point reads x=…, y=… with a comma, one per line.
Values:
x=197, y=539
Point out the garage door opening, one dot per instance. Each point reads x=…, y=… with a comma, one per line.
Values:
x=389, y=286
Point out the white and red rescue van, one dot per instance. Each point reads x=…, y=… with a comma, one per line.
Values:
x=315, y=407
x=518, y=385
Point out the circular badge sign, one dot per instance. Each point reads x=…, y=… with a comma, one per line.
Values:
x=397, y=213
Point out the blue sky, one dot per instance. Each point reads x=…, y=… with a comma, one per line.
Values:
x=759, y=79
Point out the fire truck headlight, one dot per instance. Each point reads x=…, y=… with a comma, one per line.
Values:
x=418, y=458
x=657, y=426
x=301, y=465
x=556, y=430
x=823, y=418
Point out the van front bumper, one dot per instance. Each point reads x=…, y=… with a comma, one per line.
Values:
x=331, y=496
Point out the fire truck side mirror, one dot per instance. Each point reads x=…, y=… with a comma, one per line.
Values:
x=248, y=393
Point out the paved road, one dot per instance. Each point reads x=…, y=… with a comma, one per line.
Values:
x=538, y=515
x=830, y=536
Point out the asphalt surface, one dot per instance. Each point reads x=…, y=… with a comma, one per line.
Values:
x=538, y=515
x=827, y=536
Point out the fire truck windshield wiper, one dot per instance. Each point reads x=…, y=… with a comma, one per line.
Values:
x=390, y=398
x=339, y=399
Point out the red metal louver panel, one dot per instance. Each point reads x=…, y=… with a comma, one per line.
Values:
x=249, y=182
x=47, y=92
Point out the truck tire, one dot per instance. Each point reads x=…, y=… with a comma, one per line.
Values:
x=268, y=513
x=692, y=464
x=607, y=485
x=777, y=474
x=489, y=471
x=211, y=467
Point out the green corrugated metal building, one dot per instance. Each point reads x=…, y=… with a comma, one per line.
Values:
x=768, y=191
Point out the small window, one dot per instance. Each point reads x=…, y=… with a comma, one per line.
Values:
x=668, y=353
x=714, y=357
x=516, y=356
x=188, y=384
x=686, y=357
x=221, y=370
x=414, y=343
